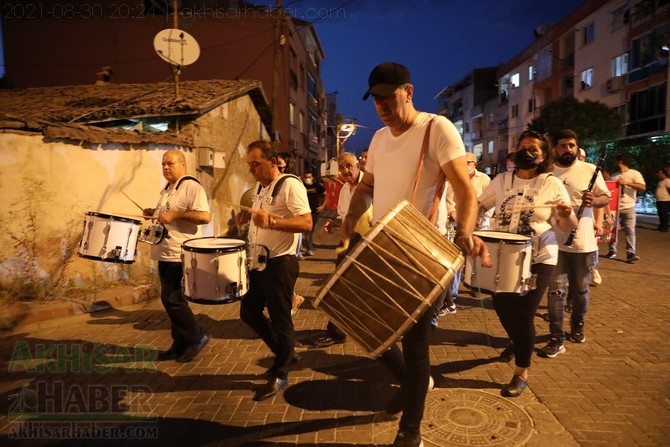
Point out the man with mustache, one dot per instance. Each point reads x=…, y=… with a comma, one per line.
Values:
x=577, y=261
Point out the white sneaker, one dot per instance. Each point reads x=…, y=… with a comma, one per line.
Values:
x=431, y=383
x=596, y=279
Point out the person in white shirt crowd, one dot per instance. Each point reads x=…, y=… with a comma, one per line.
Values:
x=182, y=209
x=352, y=175
x=572, y=276
x=446, y=304
x=515, y=195
x=598, y=216
x=663, y=199
x=278, y=217
x=363, y=159
x=391, y=171
x=630, y=181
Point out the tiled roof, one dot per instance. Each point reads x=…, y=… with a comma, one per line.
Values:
x=68, y=112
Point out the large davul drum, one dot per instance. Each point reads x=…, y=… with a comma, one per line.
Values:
x=389, y=279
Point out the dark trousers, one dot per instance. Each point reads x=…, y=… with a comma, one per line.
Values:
x=184, y=329
x=273, y=288
x=411, y=367
x=517, y=314
x=663, y=209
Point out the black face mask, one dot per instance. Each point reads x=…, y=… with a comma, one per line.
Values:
x=526, y=159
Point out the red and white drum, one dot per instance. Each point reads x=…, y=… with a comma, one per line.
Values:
x=511, y=257
x=109, y=238
x=215, y=270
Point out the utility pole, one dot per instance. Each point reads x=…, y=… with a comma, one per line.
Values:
x=176, y=69
x=277, y=74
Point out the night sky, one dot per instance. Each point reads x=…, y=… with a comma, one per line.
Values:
x=440, y=41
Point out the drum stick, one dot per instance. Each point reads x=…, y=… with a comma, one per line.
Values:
x=135, y=203
x=530, y=207
x=251, y=210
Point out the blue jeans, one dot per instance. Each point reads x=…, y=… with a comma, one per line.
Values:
x=572, y=278
x=627, y=222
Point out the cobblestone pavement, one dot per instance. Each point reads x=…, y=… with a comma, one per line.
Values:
x=94, y=376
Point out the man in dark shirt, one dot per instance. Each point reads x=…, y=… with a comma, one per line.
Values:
x=316, y=195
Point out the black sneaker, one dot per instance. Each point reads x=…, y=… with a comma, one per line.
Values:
x=407, y=439
x=328, y=340
x=611, y=254
x=447, y=309
x=632, y=258
x=553, y=348
x=577, y=335
x=192, y=351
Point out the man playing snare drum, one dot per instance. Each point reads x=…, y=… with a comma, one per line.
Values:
x=280, y=211
x=390, y=173
x=181, y=209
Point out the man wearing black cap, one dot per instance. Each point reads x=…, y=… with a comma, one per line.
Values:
x=391, y=170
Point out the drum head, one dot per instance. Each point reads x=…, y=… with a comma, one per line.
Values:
x=110, y=216
x=213, y=244
x=509, y=238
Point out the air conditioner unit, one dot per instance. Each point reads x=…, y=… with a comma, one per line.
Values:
x=615, y=84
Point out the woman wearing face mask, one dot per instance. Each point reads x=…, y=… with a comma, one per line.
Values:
x=528, y=201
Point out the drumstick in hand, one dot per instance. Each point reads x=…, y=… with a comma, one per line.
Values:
x=251, y=210
x=135, y=203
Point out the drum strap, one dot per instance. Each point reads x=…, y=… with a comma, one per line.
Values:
x=277, y=186
x=441, y=178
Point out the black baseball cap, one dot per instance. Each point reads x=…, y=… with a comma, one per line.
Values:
x=385, y=78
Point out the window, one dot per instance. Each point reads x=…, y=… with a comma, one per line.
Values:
x=530, y=73
x=589, y=34
x=514, y=80
x=291, y=113
x=620, y=65
x=490, y=147
x=587, y=78
x=531, y=105
x=515, y=111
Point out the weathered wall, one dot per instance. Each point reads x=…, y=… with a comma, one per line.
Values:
x=49, y=186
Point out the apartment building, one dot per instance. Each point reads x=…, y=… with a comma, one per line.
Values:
x=611, y=51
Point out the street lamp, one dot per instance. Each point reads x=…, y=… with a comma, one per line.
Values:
x=345, y=129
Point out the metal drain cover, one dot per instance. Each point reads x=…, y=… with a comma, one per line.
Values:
x=466, y=417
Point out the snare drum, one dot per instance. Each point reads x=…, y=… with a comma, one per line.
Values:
x=215, y=270
x=511, y=257
x=389, y=279
x=109, y=238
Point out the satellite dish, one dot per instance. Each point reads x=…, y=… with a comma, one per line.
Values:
x=176, y=47
x=542, y=30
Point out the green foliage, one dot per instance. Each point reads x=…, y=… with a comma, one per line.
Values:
x=592, y=120
x=598, y=129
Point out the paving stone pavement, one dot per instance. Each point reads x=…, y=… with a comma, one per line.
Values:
x=95, y=376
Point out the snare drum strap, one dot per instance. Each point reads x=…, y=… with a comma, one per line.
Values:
x=441, y=178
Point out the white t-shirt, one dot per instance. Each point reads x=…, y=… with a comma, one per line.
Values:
x=346, y=193
x=394, y=162
x=291, y=200
x=662, y=194
x=190, y=196
x=479, y=182
x=512, y=196
x=576, y=180
x=628, y=198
